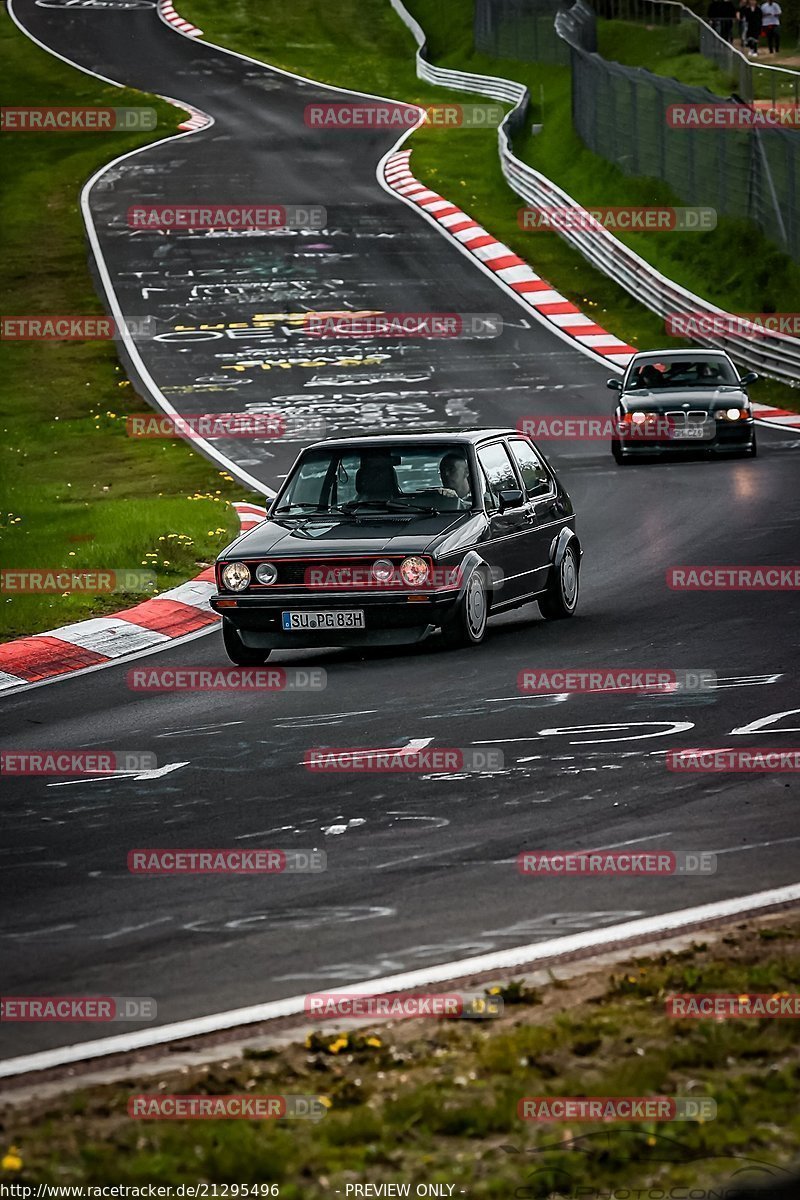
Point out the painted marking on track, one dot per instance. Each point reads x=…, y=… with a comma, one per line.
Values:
x=671, y=727
x=155, y=773
x=200, y=730
x=765, y=724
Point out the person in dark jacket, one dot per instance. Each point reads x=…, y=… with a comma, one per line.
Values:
x=752, y=32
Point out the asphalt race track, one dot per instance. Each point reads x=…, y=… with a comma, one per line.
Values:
x=421, y=870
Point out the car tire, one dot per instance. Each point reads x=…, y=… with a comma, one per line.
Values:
x=237, y=652
x=619, y=457
x=561, y=598
x=467, y=627
x=752, y=449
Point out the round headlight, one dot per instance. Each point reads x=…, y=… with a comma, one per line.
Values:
x=236, y=576
x=414, y=571
x=639, y=418
x=383, y=570
x=266, y=573
x=734, y=414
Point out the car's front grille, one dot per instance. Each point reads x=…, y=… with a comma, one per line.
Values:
x=682, y=417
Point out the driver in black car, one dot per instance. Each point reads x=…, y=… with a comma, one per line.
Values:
x=454, y=473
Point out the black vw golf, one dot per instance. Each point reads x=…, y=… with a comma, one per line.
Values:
x=378, y=540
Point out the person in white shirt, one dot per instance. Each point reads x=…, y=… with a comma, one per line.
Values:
x=771, y=13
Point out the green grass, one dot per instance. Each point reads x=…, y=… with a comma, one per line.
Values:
x=436, y=1101
x=76, y=491
x=362, y=44
x=673, y=51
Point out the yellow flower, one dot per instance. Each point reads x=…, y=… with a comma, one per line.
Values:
x=495, y=991
x=374, y=1041
x=12, y=1160
x=338, y=1045
x=326, y=1100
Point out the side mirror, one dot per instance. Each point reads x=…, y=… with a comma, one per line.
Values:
x=750, y=377
x=511, y=498
x=614, y=385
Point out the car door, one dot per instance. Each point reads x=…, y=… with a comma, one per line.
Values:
x=543, y=514
x=509, y=531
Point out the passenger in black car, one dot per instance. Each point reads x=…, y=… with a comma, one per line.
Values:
x=376, y=478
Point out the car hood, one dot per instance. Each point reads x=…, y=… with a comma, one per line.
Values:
x=343, y=536
x=661, y=399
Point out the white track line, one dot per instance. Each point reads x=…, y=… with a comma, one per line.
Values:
x=499, y=960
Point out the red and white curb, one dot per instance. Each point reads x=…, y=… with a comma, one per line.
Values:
x=167, y=13
x=536, y=293
x=777, y=416
x=102, y=640
x=197, y=120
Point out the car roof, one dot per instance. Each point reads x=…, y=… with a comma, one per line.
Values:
x=466, y=436
x=685, y=353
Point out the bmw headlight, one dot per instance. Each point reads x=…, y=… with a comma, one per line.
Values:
x=730, y=414
x=638, y=418
x=236, y=576
x=266, y=572
x=414, y=571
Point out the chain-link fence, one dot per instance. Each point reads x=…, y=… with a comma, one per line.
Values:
x=621, y=113
x=521, y=29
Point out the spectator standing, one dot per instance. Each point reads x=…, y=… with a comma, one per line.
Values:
x=771, y=20
x=726, y=19
x=715, y=15
x=752, y=18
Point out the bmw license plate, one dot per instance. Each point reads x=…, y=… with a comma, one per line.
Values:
x=687, y=432
x=341, y=618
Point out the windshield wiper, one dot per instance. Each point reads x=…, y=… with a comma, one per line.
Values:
x=406, y=506
x=314, y=508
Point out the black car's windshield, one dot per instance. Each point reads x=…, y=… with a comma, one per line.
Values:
x=693, y=371
x=391, y=478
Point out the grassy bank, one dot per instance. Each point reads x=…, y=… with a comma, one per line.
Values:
x=427, y=1101
x=76, y=491
x=362, y=44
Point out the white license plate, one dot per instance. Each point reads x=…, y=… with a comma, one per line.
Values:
x=689, y=432
x=341, y=618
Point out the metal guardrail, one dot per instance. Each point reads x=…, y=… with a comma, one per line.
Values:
x=776, y=355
